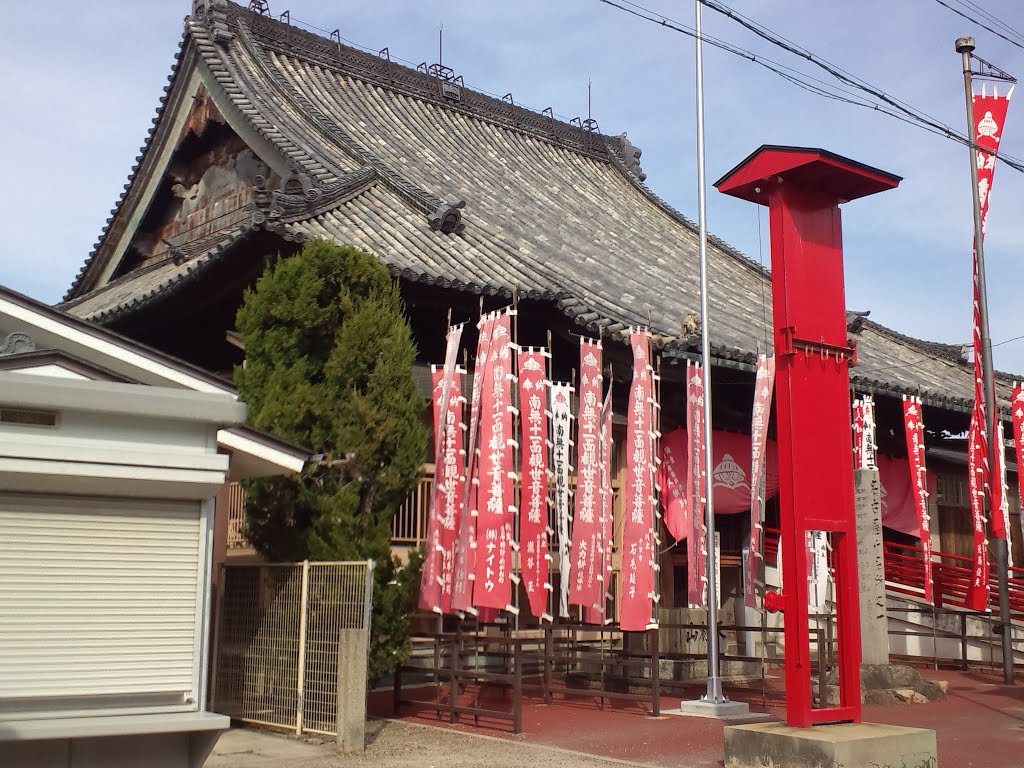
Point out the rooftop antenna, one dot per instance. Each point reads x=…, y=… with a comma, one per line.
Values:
x=262, y=7
x=589, y=116
x=440, y=44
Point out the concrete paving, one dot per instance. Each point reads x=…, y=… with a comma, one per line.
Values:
x=980, y=724
x=397, y=744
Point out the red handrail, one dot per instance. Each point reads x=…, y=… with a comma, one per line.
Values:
x=951, y=574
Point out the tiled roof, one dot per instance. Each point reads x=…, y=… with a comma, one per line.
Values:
x=479, y=195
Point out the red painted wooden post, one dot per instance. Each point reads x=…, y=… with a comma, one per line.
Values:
x=803, y=189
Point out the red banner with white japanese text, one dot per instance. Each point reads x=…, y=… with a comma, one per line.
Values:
x=638, y=494
x=585, y=588
x=445, y=497
x=697, y=547
x=999, y=511
x=561, y=464
x=533, y=495
x=764, y=384
x=1000, y=498
x=606, y=542
x=977, y=590
x=496, y=509
x=465, y=549
x=1017, y=413
x=913, y=427
x=989, y=116
x=858, y=434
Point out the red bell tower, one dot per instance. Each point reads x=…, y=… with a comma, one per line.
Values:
x=803, y=189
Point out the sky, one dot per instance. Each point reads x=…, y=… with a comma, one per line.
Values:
x=80, y=83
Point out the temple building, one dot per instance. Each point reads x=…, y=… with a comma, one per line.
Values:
x=268, y=135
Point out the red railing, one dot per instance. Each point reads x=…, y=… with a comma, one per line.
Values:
x=771, y=546
x=951, y=575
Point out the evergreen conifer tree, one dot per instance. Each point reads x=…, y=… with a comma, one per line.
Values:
x=328, y=359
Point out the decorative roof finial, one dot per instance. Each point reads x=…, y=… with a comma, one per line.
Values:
x=214, y=13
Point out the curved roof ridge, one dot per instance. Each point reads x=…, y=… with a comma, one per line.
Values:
x=423, y=200
x=188, y=271
x=950, y=352
x=229, y=75
x=386, y=73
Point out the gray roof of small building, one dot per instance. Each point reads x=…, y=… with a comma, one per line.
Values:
x=379, y=157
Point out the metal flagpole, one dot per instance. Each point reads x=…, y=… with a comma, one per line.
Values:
x=714, y=693
x=964, y=46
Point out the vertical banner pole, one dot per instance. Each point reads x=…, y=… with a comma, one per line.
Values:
x=714, y=692
x=964, y=46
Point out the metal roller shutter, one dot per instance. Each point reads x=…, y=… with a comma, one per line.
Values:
x=98, y=602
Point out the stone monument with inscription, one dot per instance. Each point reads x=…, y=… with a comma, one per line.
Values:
x=874, y=626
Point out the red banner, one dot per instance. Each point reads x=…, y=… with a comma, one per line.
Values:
x=730, y=474
x=977, y=591
x=899, y=510
x=445, y=500
x=764, y=383
x=989, y=115
x=1017, y=412
x=561, y=431
x=1000, y=494
x=914, y=430
x=496, y=507
x=999, y=511
x=533, y=502
x=858, y=434
x=584, y=588
x=638, y=494
x=465, y=549
x=697, y=553
x=598, y=615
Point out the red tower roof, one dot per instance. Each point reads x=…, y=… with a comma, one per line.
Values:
x=818, y=168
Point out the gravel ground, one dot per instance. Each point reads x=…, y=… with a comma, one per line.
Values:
x=395, y=744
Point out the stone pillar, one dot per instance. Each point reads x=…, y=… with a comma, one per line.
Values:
x=352, y=659
x=874, y=626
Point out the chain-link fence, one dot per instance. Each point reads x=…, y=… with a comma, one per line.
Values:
x=278, y=634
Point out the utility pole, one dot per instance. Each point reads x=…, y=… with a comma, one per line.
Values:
x=714, y=693
x=965, y=46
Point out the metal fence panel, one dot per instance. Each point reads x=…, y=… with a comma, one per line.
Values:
x=278, y=640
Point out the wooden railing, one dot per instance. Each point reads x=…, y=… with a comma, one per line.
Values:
x=408, y=526
x=409, y=523
x=236, y=517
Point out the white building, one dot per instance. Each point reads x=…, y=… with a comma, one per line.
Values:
x=112, y=457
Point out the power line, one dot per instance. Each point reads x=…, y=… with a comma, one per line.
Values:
x=796, y=77
x=890, y=105
x=979, y=23
x=846, y=77
x=994, y=19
